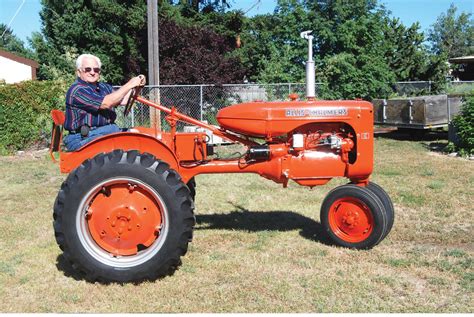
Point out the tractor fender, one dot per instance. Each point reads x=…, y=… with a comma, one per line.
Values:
x=125, y=141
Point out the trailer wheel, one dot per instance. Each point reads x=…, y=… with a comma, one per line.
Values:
x=123, y=217
x=353, y=217
x=387, y=204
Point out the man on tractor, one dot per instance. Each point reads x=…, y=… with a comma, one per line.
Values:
x=90, y=104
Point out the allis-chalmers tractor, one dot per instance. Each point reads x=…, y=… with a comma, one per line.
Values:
x=125, y=212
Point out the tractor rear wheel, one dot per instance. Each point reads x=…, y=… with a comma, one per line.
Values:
x=192, y=187
x=123, y=217
x=353, y=217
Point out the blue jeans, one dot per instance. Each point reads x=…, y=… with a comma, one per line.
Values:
x=75, y=141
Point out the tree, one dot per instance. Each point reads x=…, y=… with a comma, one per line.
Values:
x=112, y=30
x=453, y=34
x=115, y=30
x=352, y=48
x=205, y=6
x=410, y=59
x=406, y=55
x=195, y=56
x=349, y=46
x=11, y=43
x=359, y=51
x=54, y=64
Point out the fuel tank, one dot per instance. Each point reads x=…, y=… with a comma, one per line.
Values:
x=271, y=119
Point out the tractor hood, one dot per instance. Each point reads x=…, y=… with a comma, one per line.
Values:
x=271, y=119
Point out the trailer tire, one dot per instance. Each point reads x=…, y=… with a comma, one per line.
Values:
x=123, y=217
x=353, y=217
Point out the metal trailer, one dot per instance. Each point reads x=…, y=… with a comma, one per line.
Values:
x=422, y=113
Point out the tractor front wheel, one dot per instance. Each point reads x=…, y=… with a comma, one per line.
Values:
x=353, y=217
x=123, y=217
x=387, y=204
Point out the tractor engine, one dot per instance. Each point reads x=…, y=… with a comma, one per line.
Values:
x=303, y=143
x=309, y=142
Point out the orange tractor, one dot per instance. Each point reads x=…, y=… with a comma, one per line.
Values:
x=125, y=212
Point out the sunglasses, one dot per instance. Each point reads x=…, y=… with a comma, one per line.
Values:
x=88, y=69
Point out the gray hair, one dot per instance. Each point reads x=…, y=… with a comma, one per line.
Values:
x=82, y=56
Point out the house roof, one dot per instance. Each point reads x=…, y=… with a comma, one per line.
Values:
x=19, y=59
x=462, y=60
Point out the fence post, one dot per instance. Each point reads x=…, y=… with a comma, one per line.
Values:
x=200, y=101
x=449, y=110
x=429, y=86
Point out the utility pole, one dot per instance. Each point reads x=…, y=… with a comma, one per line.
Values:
x=153, y=61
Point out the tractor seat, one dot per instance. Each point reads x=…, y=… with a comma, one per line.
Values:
x=58, y=117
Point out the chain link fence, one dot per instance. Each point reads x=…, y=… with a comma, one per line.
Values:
x=202, y=102
x=460, y=87
x=412, y=88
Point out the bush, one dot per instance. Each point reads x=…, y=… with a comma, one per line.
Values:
x=24, y=113
x=464, y=125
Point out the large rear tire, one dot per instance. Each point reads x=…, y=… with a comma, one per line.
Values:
x=353, y=217
x=192, y=187
x=123, y=217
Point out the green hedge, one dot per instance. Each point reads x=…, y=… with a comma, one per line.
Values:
x=464, y=126
x=25, y=113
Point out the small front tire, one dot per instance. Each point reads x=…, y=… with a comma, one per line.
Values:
x=387, y=203
x=353, y=217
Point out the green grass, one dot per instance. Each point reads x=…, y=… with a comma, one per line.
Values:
x=257, y=247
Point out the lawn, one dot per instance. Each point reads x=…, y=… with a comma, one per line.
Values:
x=259, y=247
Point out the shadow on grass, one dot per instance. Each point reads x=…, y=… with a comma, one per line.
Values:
x=64, y=266
x=240, y=219
x=414, y=135
x=434, y=140
x=255, y=221
x=436, y=146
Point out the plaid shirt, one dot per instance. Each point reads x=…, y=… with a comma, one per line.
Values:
x=82, y=105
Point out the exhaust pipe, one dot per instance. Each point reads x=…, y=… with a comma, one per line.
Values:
x=310, y=72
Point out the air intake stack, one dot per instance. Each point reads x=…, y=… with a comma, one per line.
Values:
x=310, y=72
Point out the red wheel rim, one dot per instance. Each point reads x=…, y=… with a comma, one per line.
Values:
x=350, y=219
x=124, y=218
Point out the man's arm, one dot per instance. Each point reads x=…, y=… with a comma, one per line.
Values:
x=124, y=100
x=113, y=99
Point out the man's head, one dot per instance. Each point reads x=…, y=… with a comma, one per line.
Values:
x=88, y=68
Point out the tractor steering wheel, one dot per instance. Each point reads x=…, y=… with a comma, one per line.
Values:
x=131, y=99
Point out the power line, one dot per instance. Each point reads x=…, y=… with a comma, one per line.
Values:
x=14, y=16
x=253, y=6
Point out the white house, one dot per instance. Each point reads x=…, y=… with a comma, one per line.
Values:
x=14, y=68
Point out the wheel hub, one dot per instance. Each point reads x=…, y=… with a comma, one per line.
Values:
x=350, y=219
x=123, y=219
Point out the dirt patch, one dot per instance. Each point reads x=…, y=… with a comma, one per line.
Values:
x=28, y=154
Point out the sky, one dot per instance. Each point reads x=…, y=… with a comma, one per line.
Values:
x=27, y=19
